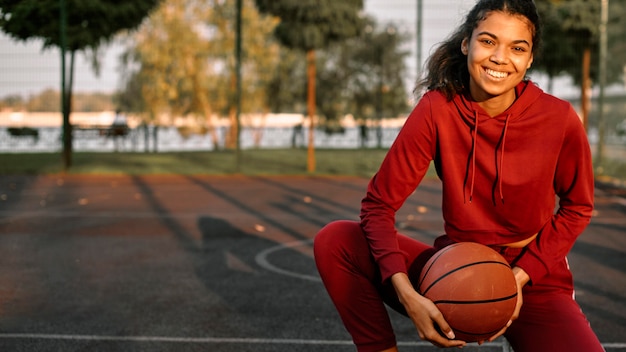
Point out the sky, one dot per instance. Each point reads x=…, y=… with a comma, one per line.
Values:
x=26, y=69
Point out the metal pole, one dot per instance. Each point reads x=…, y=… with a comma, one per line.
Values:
x=311, y=72
x=67, y=133
x=238, y=92
x=602, y=82
x=418, y=38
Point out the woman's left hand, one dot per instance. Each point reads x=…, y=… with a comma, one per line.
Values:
x=521, y=278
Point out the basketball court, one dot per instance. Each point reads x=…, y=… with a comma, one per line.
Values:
x=193, y=263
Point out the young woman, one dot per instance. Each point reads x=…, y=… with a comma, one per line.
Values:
x=504, y=151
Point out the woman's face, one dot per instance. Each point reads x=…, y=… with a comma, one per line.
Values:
x=498, y=54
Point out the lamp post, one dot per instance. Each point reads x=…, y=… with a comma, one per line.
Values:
x=418, y=38
x=238, y=88
x=67, y=128
x=604, y=17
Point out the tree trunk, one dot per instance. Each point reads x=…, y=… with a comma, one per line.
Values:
x=208, y=121
x=70, y=89
x=310, y=62
x=66, y=154
x=155, y=139
x=231, y=138
x=66, y=97
x=201, y=96
x=146, y=137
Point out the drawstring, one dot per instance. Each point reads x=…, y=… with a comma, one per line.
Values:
x=499, y=168
x=473, y=162
x=474, y=156
x=501, y=173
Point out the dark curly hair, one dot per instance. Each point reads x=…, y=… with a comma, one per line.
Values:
x=447, y=69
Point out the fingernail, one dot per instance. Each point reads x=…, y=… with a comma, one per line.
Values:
x=450, y=335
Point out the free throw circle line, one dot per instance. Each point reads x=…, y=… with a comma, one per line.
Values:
x=262, y=260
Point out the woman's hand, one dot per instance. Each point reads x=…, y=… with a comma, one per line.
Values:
x=522, y=278
x=426, y=317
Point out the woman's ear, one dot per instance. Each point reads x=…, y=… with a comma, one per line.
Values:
x=464, y=46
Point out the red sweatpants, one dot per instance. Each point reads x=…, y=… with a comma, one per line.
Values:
x=550, y=319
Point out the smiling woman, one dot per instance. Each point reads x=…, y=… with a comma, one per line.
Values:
x=504, y=151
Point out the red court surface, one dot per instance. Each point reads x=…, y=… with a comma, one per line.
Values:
x=193, y=263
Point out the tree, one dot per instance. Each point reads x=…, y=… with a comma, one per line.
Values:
x=171, y=60
x=571, y=39
x=14, y=102
x=88, y=25
x=571, y=36
x=260, y=57
x=286, y=90
x=308, y=25
x=377, y=85
x=616, y=32
x=180, y=63
x=561, y=56
x=363, y=76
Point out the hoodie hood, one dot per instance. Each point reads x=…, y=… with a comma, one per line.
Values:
x=495, y=131
x=526, y=92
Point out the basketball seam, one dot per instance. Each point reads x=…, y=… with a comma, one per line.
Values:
x=459, y=268
x=433, y=260
x=478, y=301
x=475, y=333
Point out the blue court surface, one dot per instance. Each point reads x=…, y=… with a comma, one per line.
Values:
x=193, y=263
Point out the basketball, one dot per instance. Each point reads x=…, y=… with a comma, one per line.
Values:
x=473, y=287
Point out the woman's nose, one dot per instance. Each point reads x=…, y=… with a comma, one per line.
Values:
x=499, y=56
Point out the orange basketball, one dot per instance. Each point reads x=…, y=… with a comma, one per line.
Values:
x=473, y=287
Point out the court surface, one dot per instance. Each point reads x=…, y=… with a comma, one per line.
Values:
x=190, y=263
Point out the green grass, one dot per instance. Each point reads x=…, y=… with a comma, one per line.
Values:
x=359, y=162
x=351, y=162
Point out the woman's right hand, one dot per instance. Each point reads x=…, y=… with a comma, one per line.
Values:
x=425, y=315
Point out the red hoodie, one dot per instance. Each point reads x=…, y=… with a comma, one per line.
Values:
x=501, y=177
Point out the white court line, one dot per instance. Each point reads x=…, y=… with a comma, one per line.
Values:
x=233, y=340
x=173, y=339
x=261, y=259
x=207, y=340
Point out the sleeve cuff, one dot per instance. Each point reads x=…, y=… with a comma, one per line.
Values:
x=391, y=264
x=533, y=266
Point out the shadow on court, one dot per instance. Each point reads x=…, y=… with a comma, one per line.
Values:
x=179, y=263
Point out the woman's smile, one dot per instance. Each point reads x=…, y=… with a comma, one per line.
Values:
x=496, y=74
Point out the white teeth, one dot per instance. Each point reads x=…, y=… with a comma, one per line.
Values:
x=496, y=74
